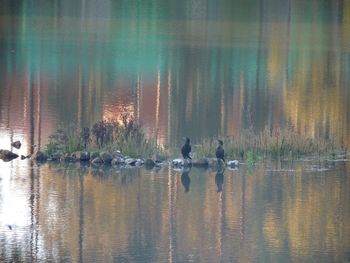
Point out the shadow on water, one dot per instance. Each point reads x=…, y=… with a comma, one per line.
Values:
x=186, y=180
x=219, y=178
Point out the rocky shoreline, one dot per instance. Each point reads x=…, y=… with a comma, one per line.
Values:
x=116, y=158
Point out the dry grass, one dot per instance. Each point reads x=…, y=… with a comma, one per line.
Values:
x=281, y=143
x=128, y=137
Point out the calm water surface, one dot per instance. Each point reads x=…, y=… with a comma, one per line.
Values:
x=271, y=213
x=196, y=68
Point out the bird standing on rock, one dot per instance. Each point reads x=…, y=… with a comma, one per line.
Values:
x=186, y=149
x=220, y=152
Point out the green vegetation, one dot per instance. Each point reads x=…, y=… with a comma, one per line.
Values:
x=64, y=140
x=279, y=144
x=126, y=136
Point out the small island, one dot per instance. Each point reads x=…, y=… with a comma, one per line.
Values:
x=124, y=143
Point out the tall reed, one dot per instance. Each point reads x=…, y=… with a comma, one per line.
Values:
x=279, y=143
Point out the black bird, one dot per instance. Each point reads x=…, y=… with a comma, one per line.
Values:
x=186, y=149
x=220, y=152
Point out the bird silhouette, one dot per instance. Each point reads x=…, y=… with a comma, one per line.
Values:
x=186, y=149
x=186, y=180
x=219, y=179
x=220, y=152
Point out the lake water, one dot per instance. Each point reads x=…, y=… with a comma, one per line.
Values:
x=183, y=68
x=271, y=213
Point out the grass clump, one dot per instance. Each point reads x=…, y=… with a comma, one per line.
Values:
x=280, y=143
x=64, y=140
x=126, y=136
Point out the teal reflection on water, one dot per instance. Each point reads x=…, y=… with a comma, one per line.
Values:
x=195, y=68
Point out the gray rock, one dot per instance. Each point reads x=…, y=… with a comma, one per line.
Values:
x=106, y=157
x=68, y=158
x=55, y=156
x=159, y=158
x=7, y=156
x=233, y=163
x=163, y=164
x=117, y=161
x=178, y=163
x=97, y=161
x=139, y=162
x=117, y=154
x=39, y=156
x=149, y=163
x=130, y=161
x=16, y=144
x=83, y=156
x=94, y=155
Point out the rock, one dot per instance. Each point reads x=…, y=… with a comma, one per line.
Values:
x=233, y=164
x=25, y=157
x=163, y=164
x=200, y=163
x=117, y=161
x=106, y=157
x=39, y=156
x=7, y=156
x=149, y=163
x=83, y=156
x=68, y=158
x=55, y=156
x=94, y=155
x=117, y=154
x=177, y=163
x=16, y=144
x=159, y=158
x=97, y=161
x=130, y=161
x=181, y=163
x=139, y=162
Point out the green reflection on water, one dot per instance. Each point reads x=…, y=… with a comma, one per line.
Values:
x=196, y=68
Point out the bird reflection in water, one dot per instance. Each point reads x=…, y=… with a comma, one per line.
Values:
x=186, y=180
x=219, y=178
